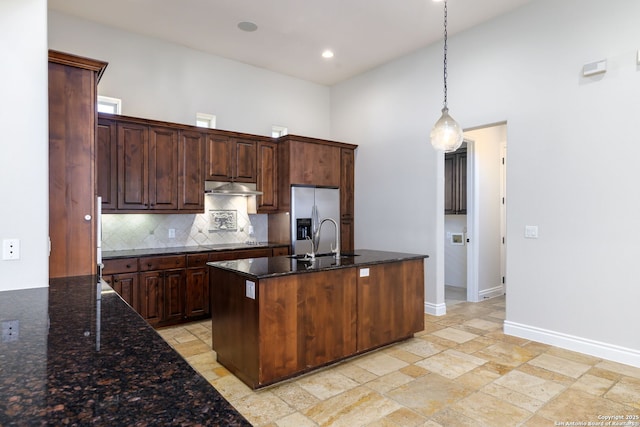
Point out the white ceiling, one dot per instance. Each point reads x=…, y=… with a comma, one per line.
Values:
x=292, y=34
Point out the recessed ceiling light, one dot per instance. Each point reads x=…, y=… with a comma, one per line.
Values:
x=247, y=26
x=327, y=54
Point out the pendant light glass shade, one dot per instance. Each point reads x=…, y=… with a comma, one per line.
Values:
x=446, y=134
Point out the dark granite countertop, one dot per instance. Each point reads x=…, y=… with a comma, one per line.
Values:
x=182, y=250
x=259, y=268
x=77, y=354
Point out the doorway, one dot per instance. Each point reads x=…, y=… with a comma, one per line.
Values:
x=475, y=236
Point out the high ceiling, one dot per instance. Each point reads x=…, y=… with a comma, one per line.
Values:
x=292, y=34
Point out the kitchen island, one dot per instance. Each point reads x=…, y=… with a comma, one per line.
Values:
x=76, y=354
x=278, y=317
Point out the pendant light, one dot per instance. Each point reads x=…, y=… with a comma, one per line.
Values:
x=446, y=134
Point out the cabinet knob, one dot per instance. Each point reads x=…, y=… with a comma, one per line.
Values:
x=128, y=266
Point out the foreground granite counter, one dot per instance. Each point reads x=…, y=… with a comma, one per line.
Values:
x=260, y=268
x=76, y=354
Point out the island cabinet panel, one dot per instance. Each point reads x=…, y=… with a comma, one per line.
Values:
x=235, y=325
x=306, y=321
x=390, y=302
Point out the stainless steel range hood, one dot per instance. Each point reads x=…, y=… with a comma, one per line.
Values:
x=230, y=189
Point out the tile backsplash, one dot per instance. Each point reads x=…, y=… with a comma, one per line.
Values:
x=142, y=231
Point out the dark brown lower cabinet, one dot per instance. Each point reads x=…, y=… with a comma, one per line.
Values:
x=196, y=302
x=126, y=285
x=151, y=294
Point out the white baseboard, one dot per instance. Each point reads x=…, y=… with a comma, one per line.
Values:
x=496, y=291
x=607, y=351
x=435, y=309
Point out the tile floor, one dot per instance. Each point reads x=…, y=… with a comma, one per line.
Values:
x=460, y=371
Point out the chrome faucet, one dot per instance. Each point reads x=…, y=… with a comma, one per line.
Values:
x=316, y=236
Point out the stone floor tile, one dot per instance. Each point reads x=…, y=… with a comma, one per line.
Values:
x=530, y=385
x=402, y=417
x=592, y=384
x=626, y=391
x=262, y=407
x=490, y=411
x=380, y=363
x=295, y=396
x=449, y=417
x=326, y=384
x=578, y=406
x=506, y=353
x=513, y=397
x=356, y=407
x=629, y=371
x=451, y=364
x=389, y=382
x=295, y=420
x=560, y=365
x=429, y=394
x=355, y=372
x=456, y=335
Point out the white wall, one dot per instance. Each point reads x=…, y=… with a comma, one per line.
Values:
x=573, y=150
x=455, y=256
x=24, y=124
x=164, y=81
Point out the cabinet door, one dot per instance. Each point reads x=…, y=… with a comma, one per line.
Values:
x=163, y=168
x=197, y=293
x=267, y=176
x=133, y=166
x=243, y=162
x=151, y=295
x=107, y=164
x=462, y=183
x=72, y=123
x=218, y=163
x=191, y=171
x=390, y=303
x=314, y=164
x=450, y=184
x=174, y=287
x=347, y=188
x=126, y=285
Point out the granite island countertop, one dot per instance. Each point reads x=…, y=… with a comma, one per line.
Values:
x=259, y=268
x=76, y=354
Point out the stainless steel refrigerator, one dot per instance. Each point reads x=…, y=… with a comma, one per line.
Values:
x=309, y=206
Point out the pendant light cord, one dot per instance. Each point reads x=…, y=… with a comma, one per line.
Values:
x=445, y=54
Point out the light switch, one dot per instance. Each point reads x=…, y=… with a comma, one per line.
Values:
x=531, y=231
x=364, y=272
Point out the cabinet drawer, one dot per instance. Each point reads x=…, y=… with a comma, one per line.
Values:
x=283, y=250
x=162, y=262
x=249, y=253
x=197, y=260
x=124, y=265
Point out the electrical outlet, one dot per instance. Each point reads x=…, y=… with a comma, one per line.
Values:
x=10, y=329
x=172, y=233
x=250, y=289
x=11, y=249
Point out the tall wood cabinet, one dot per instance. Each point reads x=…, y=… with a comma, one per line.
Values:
x=72, y=176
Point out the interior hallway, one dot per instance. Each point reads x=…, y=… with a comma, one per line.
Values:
x=460, y=371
